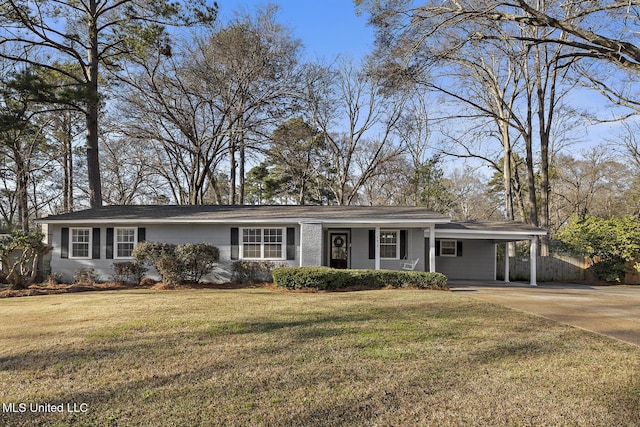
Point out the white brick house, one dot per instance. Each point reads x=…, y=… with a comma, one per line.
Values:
x=336, y=236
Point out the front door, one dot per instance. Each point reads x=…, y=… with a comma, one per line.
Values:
x=339, y=250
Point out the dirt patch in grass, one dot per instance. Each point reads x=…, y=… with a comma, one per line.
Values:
x=64, y=288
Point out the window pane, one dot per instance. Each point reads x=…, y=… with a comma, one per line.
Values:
x=126, y=235
x=80, y=250
x=125, y=241
x=80, y=242
x=448, y=247
x=273, y=235
x=387, y=251
x=388, y=244
x=251, y=235
x=272, y=251
x=251, y=251
x=388, y=238
x=80, y=235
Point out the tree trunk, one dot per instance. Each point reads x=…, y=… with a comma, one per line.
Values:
x=507, y=173
x=531, y=183
x=544, y=192
x=67, y=164
x=241, y=167
x=22, y=199
x=93, y=101
x=232, y=171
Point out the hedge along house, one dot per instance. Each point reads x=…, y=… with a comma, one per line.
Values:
x=368, y=237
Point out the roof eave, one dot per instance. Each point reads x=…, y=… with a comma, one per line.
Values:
x=381, y=221
x=506, y=235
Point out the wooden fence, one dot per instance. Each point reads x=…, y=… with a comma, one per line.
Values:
x=557, y=268
x=561, y=268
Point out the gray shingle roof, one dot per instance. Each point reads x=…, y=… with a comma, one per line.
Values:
x=221, y=213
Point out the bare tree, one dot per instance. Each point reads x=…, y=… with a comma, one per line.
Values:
x=593, y=184
x=91, y=34
x=510, y=75
x=213, y=99
x=252, y=65
x=358, y=120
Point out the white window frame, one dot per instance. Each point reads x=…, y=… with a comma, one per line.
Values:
x=397, y=244
x=72, y=242
x=455, y=248
x=262, y=243
x=116, y=254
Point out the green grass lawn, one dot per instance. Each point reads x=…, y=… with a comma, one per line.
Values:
x=258, y=357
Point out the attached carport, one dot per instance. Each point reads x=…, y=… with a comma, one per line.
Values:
x=468, y=249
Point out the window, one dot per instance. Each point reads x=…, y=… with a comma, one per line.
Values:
x=448, y=248
x=125, y=242
x=262, y=243
x=389, y=244
x=80, y=243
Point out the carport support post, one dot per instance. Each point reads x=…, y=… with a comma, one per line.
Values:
x=432, y=249
x=506, y=262
x=377, y=244
x=533, y=257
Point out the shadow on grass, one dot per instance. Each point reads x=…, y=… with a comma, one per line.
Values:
x=228, y=381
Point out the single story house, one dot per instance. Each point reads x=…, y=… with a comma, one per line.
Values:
x=374, y=237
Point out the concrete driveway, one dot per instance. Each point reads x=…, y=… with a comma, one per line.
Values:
x=613, y=311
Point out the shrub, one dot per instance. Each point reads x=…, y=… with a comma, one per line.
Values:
x=325, y=278
x=20, y=253
x=177, y=264
x=197, y=260
x=611, y=243
x=85, y=275
x=128, y=272
x=254, y=271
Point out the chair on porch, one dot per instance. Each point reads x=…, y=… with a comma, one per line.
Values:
x=410, y=264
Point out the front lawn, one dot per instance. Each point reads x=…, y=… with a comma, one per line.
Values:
x=259, y=357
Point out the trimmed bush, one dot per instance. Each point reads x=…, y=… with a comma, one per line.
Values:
x=85, y=275
x=197, y=260
x=178, y=264
x=325, y=278
x=128, y=272
x=254, y=271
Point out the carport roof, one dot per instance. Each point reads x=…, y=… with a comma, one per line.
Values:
x=493, y=230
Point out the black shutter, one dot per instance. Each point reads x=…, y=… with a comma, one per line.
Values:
x=64, y=243
x=142, y=234
x=95, y=244
x=235, y=248
x=372, y=244
x=437, y=247
x=458, y=248
x=403, y=244
x=291, y=243
x=109, y=253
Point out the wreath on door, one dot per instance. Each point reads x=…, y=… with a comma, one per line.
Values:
x=338, y=242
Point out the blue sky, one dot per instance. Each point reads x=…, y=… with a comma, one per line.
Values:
x=326, y=27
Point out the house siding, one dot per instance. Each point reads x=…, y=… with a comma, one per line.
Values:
x=476, y=263
x=217, y=235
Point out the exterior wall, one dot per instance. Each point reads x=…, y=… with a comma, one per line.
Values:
x=360, y=250
x=476, y=263
x=218, y=235
x=311, y=244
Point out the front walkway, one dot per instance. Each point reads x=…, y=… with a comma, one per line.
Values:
x=613, y=311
